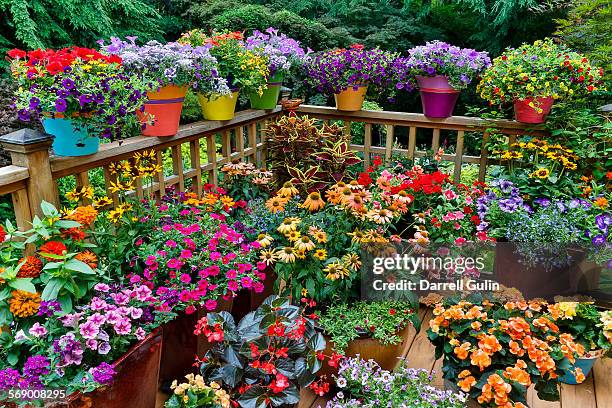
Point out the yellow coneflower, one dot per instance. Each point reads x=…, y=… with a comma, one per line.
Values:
x=380, y=216
x=102, y=202
x=335, y=271
x=304, y=244
x=293, y=235
x=365, y=195
x=357, y=237
x=264, y=240
x=352, y=261
x=115, y=215
x=286, y=254
x=542, y=173
x=320, y=254
x=287, y=226
x=300, y=254
x=320, y=237
x=372, y=235
x=276, y=204
x=288, y=190
x=313, y=202
x=268, y=256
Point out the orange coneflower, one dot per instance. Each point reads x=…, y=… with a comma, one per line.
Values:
x=313, y=202
x=276, y=204
x=31, y=268
x=381, y=216
x=333, y=196
x=288, y=190
x=345, y=195
x=89, y=258
x=354, y=202
x=352, y=261
x=319, y=236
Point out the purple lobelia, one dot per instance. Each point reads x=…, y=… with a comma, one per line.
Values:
x=459, y=65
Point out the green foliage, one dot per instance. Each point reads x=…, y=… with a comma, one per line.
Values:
x=57, y=23
x=587, y=28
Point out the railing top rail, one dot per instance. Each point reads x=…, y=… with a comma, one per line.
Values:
x=419, y=120
x=110, y=152
x=12, y=178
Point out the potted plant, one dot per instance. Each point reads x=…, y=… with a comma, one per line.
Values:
x=195, y=393
x=170, y=69
x=533, y=76
x=495, y=351
x=242, y=68
x=283, y=54
x=265, y=358
x=363, y=383
x=373, y=330
x=105, y=352
x=348, y=74
x=586, y=325
x=79, y=94
x=442, y=71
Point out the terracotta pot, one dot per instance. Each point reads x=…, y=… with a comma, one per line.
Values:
x=181, y=346
x=526, y=114
x=135, y=385
x=387, y=356
x=164, y=106
x=350, y=99
x=438, y=97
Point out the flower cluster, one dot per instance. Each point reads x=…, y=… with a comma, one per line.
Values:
x=459, y=65
x=245, y=181
x=90, y=88
x=282, y=52
x=169, y=64
x=195, y=393
x=364, y=384
x=541, y=69
x=496, y=350
x=331, y=72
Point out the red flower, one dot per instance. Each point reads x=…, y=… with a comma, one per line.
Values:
x=52, y=247
x=377, y=161
x=364, y=179
x=2, y=234
x=279, y=384
x=16, y=53
x=277, y=329
x=334, y=359
x=357, y=47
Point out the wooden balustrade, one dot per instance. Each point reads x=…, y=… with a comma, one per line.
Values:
x=210, y=144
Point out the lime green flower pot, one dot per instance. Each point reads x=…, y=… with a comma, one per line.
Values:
x=269, y=98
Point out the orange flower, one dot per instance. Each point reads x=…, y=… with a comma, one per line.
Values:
x=467, y=383
x=84, y=215
x=52, y=247
x=579, y=375
x=601, y=202
x=481, y=359
x=518, y=375
x=24, y=304
x=73, y=233
x=516, y=349
x=31, y=268
x=462, y=351
x=313, y=202
x=276, y=204
x=489, y=344
x=476, y=325
x=89, y=258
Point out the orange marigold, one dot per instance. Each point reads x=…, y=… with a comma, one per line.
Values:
x=24, y=304
x=84, y=215
x=89, y=258
x=31, y=268
x=52, y=247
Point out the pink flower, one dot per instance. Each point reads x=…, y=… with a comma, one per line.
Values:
x=37, y=330
x=457, y=226
x=185, y=296
x=459, y=241
x=231, y=274
x=211, y=304
x=443, y=251
x=97, y=304
x=215, y=256
x=89, y=330
x=185, y=278
x=134, y=279
x=190, y=309
x=258, y=287
x=120, y=298
x=233, y=286
x=450, y=194
x=163, y=207
x=102, y=287
x=482, y=235
x=140, y=333
x=186, y=254
x=91, y=344
x=123, y=327
x=261, y=266
x=97, y=319
x=219, y=217
x=174, y=264
x=246, y=282
x=143, y=293
x=136, y=313
x=171, y=243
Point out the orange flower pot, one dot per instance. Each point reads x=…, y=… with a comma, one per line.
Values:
x=164, y=108
x=351, y=99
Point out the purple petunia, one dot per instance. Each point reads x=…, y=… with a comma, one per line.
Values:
x=103, y=374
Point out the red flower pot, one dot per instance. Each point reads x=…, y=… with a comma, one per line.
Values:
x=526, y=114
x=437, y=96
x=164, y=107
x=181, y=346
x=135, y=385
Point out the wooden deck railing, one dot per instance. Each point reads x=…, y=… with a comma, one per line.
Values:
x=33, y=175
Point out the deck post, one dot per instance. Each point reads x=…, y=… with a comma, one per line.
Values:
x=30, y=148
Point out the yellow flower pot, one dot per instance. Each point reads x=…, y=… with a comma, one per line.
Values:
x=351, y=100
x=219, y=107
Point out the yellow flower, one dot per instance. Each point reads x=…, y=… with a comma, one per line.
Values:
x=264, y=240
x=304, y=244
x=286, y=254
x=541, y=173
x=335, y=271
x=102, y=202
x=320, y=254
x=293, y=235
x=276, y=204
x=268, y=256
x=115, y=215
x=288, y=190
x=287, y=226
x=80, y=193
x=352, y=261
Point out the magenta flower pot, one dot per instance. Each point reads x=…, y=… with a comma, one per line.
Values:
x=437, y=96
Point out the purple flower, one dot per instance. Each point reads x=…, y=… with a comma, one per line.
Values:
x=598, y=240
x=104, y=348
x=60, y=105
x=544, y=202
x=68, y=83
x=102, y=287
x=603, y=221
x=140, y=333
x=91, y=344
x=103, y=374
x=37, y=330
x=34, y=368
x=123, y=327
x=48, y=308
x=89, y=330
x=9, y=378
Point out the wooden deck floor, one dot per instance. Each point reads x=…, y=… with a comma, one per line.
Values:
x=595, y=392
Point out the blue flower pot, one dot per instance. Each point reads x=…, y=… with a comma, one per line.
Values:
x=585, y=364
x=68, y=140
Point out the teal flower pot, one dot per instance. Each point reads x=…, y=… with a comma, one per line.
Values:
x=585, y=364
x=269, y=98
x=68, y=140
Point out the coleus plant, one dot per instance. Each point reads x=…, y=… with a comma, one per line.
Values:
x=267, y=356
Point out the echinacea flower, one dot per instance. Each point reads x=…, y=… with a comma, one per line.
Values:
x=276, y=204
x=288, y=190
x=313, y=202
x=286, y=254
x=304, y=243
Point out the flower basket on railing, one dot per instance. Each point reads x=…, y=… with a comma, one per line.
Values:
x=135, y=384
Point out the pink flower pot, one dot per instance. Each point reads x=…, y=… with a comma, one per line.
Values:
x=437, y=96
x=526, y=114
